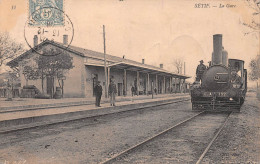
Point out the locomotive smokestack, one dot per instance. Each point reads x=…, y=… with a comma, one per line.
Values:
x=217, y=49
x=224, y=57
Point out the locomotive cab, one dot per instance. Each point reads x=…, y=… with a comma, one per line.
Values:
x=237, y=77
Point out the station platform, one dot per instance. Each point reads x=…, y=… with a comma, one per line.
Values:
x=26, y=113
x=18, y=104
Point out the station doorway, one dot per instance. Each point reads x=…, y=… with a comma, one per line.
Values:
x=120, y=89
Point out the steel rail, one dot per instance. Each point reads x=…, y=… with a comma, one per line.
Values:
x=40, y=124
x=146, y=141
x=213, y=139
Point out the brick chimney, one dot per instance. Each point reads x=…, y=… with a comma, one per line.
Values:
x=161, y=65
x=35, y=40
x=65, y=39
x=142, y=61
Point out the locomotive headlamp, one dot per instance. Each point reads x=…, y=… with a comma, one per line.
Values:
x=236, y=85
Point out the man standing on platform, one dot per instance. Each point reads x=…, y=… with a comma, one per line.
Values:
x=112, y=92
x=98, y=93
x=133, y=90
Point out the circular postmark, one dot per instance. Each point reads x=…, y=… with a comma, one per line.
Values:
x=48, y=24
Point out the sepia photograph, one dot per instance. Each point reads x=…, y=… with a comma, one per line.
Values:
x=129, y=81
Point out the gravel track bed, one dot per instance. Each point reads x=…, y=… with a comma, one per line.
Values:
x=183, y=144
x=239, y=141
x=90, y=140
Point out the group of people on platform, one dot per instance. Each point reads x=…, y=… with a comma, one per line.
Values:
x=155, y=91
x=111, y=92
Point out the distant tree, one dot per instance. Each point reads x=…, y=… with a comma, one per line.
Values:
x=30, y=73
x=54, y=65
x=9, y=49
x=255, y=68
x=254, y=73
x=254, y=23
x=9, y=78
x=178, y=64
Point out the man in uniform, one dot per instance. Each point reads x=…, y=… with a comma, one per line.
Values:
x=112, y=92
x=98, y=93
x=235, y=75
x=200, y=70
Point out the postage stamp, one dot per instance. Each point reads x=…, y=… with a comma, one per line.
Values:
x=47, y=21
x=46, y=12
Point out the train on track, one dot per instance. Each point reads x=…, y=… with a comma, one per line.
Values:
x=223, y=84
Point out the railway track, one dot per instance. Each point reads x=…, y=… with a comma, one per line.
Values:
x=117, y=158
x=71, y=119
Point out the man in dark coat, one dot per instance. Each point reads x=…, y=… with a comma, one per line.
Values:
x=98, y=93
x=155, y=90
x=200, y=70
x=133, y=90
x=112, y=92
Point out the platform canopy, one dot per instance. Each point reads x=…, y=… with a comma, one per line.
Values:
x=143, y=68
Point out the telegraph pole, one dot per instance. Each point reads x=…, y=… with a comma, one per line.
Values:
x=105, y=61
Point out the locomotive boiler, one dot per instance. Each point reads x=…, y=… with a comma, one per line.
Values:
x=223, y=84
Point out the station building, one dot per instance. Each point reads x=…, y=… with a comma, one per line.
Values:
x=89, y=68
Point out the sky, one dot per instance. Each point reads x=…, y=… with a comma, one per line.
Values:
x=159, y=31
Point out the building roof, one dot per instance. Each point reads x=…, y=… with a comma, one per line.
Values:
x=115, y=62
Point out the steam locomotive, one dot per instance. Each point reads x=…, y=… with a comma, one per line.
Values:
x=223, y=84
